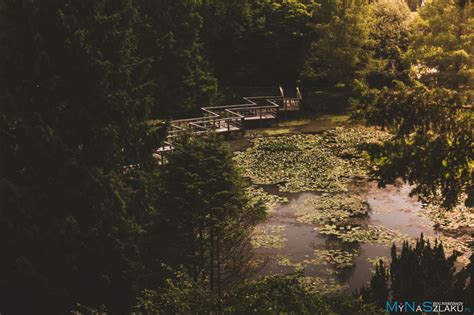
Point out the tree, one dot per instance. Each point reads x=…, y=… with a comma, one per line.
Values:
x=225, y=33
x=377, y=289
x=421, y=272
x=389, y=30
x=429, y=112
x=258, y=42
x=288, y=294
x=339, y=55
x=464, y=284
x=178, y=294
x=270, y=295
x=206, y=219
x=171, y=36
x=73, y=105
x=432, y=146
x=442, y=47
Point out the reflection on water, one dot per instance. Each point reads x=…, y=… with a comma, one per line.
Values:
x=390, y=207
x=393, y=208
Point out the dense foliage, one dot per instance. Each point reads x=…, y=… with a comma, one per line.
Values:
x=430, y=109
x=421, y=272
x=171, y=39
x=73, y=108
x=289, y=294
x=206, y=218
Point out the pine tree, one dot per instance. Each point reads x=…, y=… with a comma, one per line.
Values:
x=377, y=289
x=73, y=109
x=172, y=38
x=422, y=272
x=205, y=219
x=464, y=284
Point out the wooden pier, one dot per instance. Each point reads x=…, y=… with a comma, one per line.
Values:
x=230, y=119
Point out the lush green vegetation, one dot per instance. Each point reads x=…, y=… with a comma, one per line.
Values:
x=206, y=216
x=270, y=295
x=88, y=216
x=430, y=110
x=421, y=272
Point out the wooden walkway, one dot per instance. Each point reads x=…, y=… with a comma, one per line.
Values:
x=227, y=119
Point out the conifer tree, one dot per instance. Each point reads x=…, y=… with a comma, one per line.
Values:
x=205, y=219
x=172, y=38
x=73, y=105
x=389, y=29
x=420, y=272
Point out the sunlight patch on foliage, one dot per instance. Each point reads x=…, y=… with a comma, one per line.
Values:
x=296, y=163
x=277, y=131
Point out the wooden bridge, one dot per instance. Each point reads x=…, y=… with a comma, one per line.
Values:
x=228, y=119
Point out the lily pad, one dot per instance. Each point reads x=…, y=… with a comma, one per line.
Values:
x=269, y=236
x=332, y=209
x=368, y=234
x=339, y=259
x=326, y=162
x=257, y=194
x=321, y=285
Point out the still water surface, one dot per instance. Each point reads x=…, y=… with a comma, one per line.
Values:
x=390, y=207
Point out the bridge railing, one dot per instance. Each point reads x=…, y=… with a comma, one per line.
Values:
x=228, y=118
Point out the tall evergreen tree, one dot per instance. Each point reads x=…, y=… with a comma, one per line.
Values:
x=73, y=105
x=420, y=272
x=172, y=37
x=257, y=42
x=377, y=290
x=206, y=219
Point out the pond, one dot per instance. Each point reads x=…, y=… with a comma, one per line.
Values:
x=327, y=217
x=391, y=207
